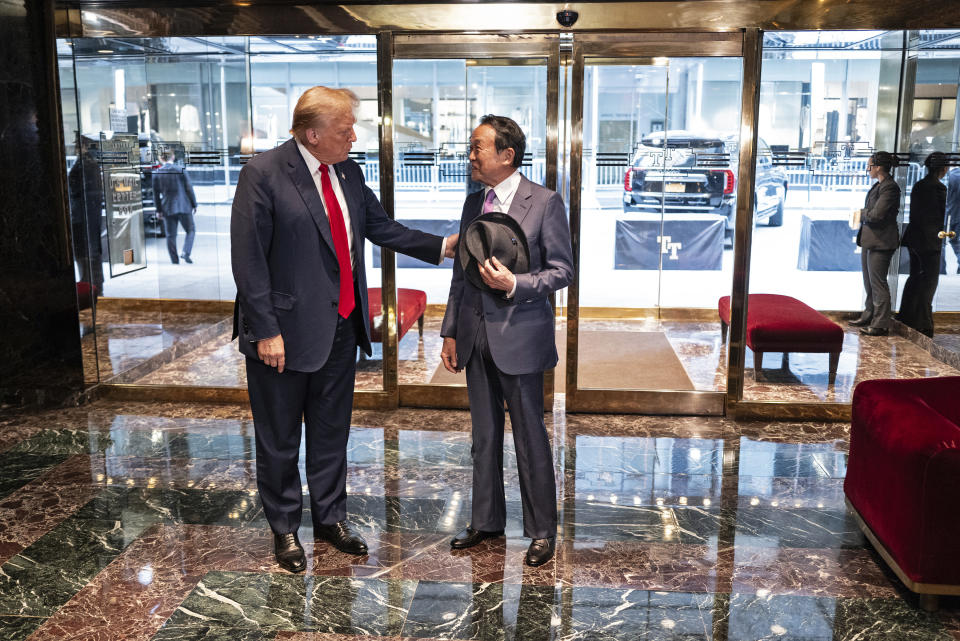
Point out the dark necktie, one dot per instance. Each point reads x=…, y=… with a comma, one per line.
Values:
x=340, y=245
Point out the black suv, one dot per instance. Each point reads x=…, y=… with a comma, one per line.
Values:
x=699, y=176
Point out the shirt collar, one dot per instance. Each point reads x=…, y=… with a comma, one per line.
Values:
x=312, y=163
x=506, y=187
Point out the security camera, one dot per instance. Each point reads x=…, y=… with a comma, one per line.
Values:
x=567, y=18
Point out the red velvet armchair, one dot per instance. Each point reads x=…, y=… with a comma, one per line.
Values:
x=903, y=479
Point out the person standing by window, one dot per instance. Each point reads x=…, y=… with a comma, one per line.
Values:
x=928, y=202
x=878, y=238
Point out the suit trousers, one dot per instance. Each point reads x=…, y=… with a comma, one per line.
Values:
x=170, y=222
x=916, y=306
x=282, y=404
x=487, y=388
x=875, y=263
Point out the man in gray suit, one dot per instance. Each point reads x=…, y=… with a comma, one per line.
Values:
x=505, y=339
x=176, y=204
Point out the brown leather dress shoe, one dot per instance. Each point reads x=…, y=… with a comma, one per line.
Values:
x=470, y=537
x=289, y=552
x=342, y=537
x=541, y=551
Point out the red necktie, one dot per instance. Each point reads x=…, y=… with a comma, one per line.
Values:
x=340, y=245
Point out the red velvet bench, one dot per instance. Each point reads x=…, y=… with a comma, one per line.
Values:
x=778, y=323
x=411, y=304
x=903, y=479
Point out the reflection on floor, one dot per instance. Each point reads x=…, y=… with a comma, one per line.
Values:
x=141, y=521
x=696, y=343
x=131, y=343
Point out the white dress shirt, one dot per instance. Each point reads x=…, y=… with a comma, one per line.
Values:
x=314, y=166
x=506, y=189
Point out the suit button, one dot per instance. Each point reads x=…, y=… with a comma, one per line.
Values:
x=333, y=303
x=477, y=312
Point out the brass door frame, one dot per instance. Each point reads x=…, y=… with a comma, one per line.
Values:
x=650, y=45
x=408, y=46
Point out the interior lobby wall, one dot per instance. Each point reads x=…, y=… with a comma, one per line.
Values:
x=40, y=359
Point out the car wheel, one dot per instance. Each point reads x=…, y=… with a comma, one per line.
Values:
x=777, y=218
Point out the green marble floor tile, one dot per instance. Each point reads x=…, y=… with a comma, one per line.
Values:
x=208, y=633
x=489, y=611
x=132, y=506
x=19, y=468
x=274, y=602
x=49, y=572
x=18, y=628
x=65, y=442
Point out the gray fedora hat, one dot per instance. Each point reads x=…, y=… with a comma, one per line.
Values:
x=493, y=234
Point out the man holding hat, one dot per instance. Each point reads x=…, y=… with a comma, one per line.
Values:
x=499, y=324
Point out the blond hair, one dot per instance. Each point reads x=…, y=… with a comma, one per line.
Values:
x=317, y=105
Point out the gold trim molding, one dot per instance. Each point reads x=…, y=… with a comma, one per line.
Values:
x=262, y=17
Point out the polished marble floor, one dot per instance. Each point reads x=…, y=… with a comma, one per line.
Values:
x=141, y=521
x=804, y=378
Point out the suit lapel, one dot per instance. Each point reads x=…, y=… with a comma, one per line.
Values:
x=303, y=181
x=521, y=200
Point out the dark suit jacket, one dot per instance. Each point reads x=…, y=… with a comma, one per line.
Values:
x=928, y=201
x=172, y=191
x=520, y=330
x=878, y=219
x=283, y=258
x=953, y=198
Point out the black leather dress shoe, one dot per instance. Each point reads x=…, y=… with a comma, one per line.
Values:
x=874, y=331
x=541, y=551
x=859, y=322
x=470, y=537
x=342, y=537
x=289, y=552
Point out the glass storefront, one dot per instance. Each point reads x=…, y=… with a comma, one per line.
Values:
x=655, y=188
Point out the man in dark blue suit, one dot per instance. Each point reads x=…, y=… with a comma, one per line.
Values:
x=176, y=204
x=301, y=216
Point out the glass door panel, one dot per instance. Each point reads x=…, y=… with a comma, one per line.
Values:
x=437, y=102
x=660, y=155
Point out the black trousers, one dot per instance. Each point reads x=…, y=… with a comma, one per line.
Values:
x=487, y=388
x=916, y=306
x=319, y=403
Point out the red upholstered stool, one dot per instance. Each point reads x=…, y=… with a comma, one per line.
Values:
x=903, y=479
x=778, y=323
x=85, y=294
x=411, y=304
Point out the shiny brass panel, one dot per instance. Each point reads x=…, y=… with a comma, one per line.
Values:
x=441, y=396
x=165, y=305
x=647, y=402
x=627, y=48
x=743, y=231
x=575, y=86
x=388, y=261
x=786, y=411
x=271, y=17
x=505, y=46
x=913, y=586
